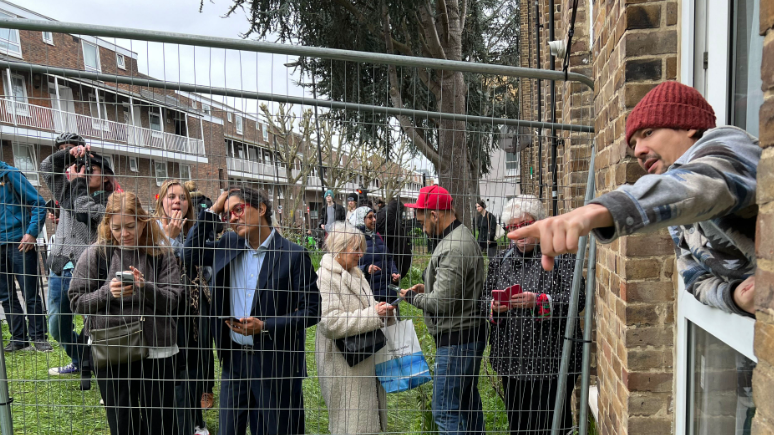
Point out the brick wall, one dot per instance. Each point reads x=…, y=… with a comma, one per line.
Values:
x=635, y=47
x=763, y=377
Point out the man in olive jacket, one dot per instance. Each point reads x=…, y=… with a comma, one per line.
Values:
x=454, y=279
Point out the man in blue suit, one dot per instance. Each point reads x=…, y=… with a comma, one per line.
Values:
x=264, y=294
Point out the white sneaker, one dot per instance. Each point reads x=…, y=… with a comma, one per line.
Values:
x=201, y=431
x=101, y=402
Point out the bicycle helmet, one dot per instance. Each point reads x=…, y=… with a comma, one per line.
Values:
x=69, y=138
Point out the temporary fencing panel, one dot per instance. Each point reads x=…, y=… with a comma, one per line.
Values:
x=239, y=219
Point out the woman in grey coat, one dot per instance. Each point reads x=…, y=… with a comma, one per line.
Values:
x=356, y=400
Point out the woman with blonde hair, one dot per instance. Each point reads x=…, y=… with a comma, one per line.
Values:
x=139, y=388
x=356, y=400
x=175, y=213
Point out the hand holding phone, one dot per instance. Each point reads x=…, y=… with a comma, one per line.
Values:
x=504, y=296
x=126, y=278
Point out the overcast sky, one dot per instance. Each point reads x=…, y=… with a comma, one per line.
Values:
x=174, y=63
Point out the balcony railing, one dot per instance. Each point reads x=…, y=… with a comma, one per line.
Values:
x=59, y=121
x=258, y=170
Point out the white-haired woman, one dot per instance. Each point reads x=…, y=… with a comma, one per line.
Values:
x=527, y=333
x=356, y=400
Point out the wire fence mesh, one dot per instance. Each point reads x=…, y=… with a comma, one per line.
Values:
x=190, y=264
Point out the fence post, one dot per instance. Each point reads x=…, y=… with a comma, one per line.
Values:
x=583, y=418
x=6, y=424
x=572, y=311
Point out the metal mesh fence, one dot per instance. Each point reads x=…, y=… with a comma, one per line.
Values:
x=228, y=246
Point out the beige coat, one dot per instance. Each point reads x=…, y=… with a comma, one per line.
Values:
x=356, y=400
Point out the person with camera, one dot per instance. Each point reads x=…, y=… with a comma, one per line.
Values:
x=81, y=181
x=22, y=216
x=128, y=284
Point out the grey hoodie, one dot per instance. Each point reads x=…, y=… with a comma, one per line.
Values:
x=73, y=236
x=707, y=199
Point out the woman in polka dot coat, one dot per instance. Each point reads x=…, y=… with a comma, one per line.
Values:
x=527, y=335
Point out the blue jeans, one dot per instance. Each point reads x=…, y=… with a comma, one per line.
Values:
x=22, y=266
x=60, y=317
x=456, y=401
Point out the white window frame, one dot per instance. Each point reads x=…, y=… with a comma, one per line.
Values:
x=134, y=165
x=207, y=109
x=48, y=38
x=187, y=168
x=160, y=180
x=155, y=133
x=239, y=124
x=96, y=49
x=711, y=20
x=193, y=104
x=33, y=176
x=9, y=51
x=96, y=121
x=265, y=132
x=228, y=116
x=120, y=61
x=21, y=108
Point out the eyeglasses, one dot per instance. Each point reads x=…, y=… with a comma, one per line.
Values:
x=238, y=211
x=515, y=227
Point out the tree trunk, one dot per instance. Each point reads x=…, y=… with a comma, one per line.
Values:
x=455, y=172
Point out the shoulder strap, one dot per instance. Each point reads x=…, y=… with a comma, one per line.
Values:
x=103, y=263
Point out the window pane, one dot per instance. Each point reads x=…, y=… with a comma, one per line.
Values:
x=23, y=158
x=720, y=387
x=747, y=97
x=185, y=172
x=155, y=122
x=90, y=56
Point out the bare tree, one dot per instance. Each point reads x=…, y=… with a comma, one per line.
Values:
x=397, y=170
x=292, y=142
x=338, y=158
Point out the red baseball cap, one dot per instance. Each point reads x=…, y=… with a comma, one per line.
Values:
x=432, y=198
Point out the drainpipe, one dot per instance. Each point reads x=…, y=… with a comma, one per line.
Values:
x=554, y=141
x=539, y=97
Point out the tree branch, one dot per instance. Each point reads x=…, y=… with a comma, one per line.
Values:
x=464, y=14
x=443, y=12
x=431, y=34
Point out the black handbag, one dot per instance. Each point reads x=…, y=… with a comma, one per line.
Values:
x=356, y=348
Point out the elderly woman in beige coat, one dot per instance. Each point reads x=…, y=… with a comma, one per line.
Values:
x=356, y=400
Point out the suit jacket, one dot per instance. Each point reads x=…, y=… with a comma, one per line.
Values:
x=287, y=299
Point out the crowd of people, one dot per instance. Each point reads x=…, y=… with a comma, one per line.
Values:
x=158, y=290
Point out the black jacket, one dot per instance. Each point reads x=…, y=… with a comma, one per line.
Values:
x=523, y=344
x=340, y=213
x=487, y=228
x=389, y=223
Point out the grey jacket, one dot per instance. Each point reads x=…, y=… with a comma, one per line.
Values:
x=454, y=280
x=73, y=235
x=157, y=301
x=707, y=199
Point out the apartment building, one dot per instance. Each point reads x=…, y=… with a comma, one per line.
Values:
x=148, y=134
x=665, y=363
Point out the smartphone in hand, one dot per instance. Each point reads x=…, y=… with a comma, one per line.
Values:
x=396, y=302
x=504, y=296
x=126, y=278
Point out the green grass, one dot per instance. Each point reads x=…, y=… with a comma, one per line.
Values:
x=46, y=404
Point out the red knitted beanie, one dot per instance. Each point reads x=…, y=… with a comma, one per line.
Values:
x=671, y=105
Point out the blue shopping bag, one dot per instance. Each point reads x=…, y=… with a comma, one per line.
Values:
x=400, y=365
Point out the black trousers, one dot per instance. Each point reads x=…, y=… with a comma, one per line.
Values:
x=530, y=404
x=139, y=397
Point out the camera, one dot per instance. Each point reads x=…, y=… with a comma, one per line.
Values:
x=84, y=161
